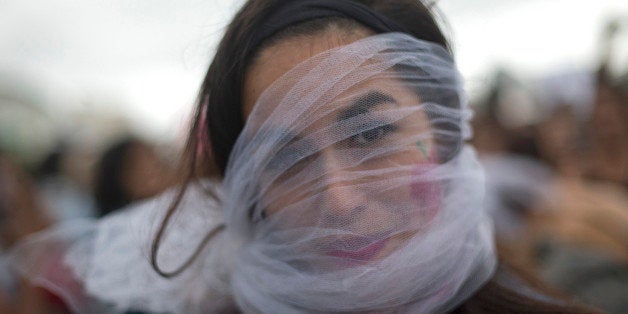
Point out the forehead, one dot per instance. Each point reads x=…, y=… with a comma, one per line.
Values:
x=276, y=60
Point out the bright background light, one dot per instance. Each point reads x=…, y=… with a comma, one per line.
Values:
x=145, y=59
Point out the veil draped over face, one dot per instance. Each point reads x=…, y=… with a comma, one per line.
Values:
x=350, y=189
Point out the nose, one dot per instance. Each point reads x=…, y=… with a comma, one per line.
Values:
x=342, y=196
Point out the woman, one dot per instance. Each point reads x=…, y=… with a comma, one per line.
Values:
x=337, y=128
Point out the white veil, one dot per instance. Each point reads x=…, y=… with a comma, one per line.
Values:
x=349, y=190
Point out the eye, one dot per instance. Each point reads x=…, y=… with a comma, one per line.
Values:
x=373, y=135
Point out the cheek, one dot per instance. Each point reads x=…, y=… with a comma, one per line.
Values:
x=426, y=192
x=421, y=191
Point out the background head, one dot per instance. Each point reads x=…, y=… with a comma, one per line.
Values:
x=128, y=170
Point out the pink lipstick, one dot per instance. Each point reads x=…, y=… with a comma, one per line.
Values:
x=364, y=254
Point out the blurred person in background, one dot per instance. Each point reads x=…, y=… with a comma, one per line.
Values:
x=21, y=211
x=21, y=214
x=129, y=170
x=577, y=237
x=559, y=198
x=64, y=182
x=608, y=131
x=557, y=138
x=516, y=178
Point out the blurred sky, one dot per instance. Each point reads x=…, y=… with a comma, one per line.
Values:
x=146, y=58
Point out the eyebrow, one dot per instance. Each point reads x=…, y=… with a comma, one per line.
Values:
x=364, y=103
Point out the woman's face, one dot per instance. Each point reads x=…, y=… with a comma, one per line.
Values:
x=356, y=183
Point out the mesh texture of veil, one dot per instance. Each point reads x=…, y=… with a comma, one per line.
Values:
x=350, y=187
x=349, y=190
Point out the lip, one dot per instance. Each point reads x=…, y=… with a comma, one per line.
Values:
x=365, y=254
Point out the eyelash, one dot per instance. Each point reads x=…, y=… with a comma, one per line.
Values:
x=368, y=137
x=373, y=135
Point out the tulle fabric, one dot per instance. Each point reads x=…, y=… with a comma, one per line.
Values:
x=350, y=187
x=349, y=190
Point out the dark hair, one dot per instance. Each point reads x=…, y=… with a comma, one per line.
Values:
x=109, y=191
x=219, y=120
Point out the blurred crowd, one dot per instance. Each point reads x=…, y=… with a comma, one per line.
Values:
x=62, y=188
x=557, y=184
x=557, y=181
